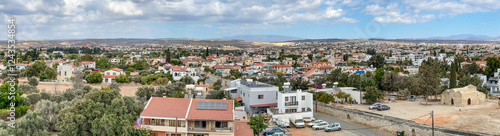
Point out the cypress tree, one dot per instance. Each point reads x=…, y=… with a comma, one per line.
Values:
x=453, y=75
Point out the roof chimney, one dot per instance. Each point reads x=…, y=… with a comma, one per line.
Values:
x=164, y=95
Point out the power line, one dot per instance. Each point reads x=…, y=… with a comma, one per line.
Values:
x=391, y=124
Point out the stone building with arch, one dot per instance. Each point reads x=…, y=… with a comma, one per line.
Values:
x=462, y=97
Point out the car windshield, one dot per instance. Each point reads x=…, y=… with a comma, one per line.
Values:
x=299, y=121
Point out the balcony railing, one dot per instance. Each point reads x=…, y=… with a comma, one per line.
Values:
x=295, y=103
x=221, y=130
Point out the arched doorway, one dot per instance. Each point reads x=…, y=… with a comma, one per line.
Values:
x=452, y=102
x=468, y=101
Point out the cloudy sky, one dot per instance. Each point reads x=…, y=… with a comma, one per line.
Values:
x=72, y=19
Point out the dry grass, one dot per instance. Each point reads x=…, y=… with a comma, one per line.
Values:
x=480, y=118
x=126, y=89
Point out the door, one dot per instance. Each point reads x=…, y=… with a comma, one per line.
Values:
x=452, y=102
x=468, y=101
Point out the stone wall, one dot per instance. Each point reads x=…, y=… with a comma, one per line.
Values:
x=225, y=82
x=389, y=123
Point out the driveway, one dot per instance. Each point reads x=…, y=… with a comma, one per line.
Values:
x=348, y=126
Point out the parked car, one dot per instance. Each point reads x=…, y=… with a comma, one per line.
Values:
x=297, y=121
x=310, y=124
x=309, y=119
x=321, y=125
x=374, y=106
x=383, y=107
x=281, y=134
x=333, y=127
x=273, y=130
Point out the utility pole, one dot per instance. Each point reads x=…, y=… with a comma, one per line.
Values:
x=176, y=126
x=432, y=115
x=316, y=108
x=258, y=125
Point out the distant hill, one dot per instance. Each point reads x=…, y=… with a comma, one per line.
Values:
x=262, y=38
x=469, y=37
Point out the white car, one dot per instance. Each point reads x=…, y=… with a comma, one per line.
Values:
x=309, y=119
x=374, y=106
x=321, y=125
x=310, y=124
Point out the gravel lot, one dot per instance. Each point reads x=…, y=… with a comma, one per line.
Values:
x=480, y=118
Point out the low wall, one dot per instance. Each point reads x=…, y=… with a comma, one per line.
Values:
x=389, y=123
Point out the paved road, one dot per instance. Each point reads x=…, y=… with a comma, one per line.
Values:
x=348, y=126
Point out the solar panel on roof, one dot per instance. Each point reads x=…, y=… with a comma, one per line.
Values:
x=211, y=106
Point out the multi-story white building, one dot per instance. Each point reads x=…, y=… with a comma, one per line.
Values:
x=416, y=59
x=87, y=65
x=293, y=102
x=256, y=96
x=180, y=71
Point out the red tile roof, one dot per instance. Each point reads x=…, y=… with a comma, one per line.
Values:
x=238, y=99
x=241, y=128
x=279, y=65
x=195, y=114
x=117, y=69
x=166, y=107
x=179, y=107
x=179, y=68
x=109, y=76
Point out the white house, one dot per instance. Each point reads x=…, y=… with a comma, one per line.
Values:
x=354, y=92
x=87, y=65
x=180, y=71
x=293, y=102
x=110, y=75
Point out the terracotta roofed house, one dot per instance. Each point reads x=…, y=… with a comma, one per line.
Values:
x=188, y=117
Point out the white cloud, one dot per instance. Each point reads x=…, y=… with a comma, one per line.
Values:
x=403, y=18
x=378, y=10
x=331, y=2
x=124, y=7
x=351, y=3
x=448, y=7
x=491, y=4
x=331, y=13
x=346, y=20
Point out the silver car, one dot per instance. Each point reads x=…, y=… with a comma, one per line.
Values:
x=333, y=127
x=374, y=106
x=319, y=126
x=310, y=124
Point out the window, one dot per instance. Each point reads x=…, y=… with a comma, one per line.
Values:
x=234, y=91
x=243, y=94
x=220, y=124
x=286, y=98
x=155, y=122
x=173, y=123
x=303, y=97
x=290, y=110
x=261, y=96
x=200, y=124
x=152, y=121
x=65, y=73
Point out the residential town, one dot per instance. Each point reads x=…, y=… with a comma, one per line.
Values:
x=250, y=68
x=201, y=90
